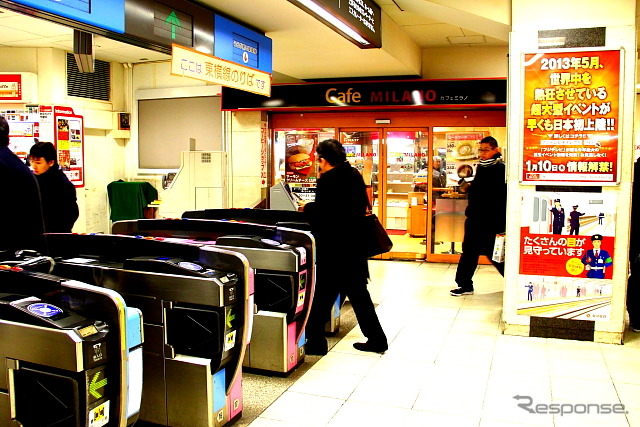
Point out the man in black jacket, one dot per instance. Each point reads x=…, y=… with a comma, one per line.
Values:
x=57, y=193
x=20, y=214
x=337, y=218
x=486, y=215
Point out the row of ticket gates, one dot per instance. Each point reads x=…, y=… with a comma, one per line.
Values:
x=155, y=322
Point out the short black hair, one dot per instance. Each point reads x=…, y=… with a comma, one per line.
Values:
x=4, y=132
x=332, y=151
x=45, y=150
x=489, y=140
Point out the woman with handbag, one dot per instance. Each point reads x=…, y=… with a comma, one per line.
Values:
x=337, y=223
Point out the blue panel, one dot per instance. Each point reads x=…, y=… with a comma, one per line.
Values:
x=106, y=14
x=240, y=45
x=219, y=396
x=134, y=327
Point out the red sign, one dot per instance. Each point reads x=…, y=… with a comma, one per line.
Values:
x=571, y=117
x=10, y=87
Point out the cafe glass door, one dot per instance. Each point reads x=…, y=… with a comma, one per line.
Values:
x=395, y=165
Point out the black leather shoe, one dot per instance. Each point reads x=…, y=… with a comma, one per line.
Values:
x=313, y=348
x=372, y=347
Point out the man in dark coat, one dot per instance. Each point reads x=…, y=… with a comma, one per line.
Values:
x=486, y=215
x=57, y=193
x=337, y=217
x=20, y=214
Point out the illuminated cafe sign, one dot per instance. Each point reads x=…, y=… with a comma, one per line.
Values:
x=472, y=93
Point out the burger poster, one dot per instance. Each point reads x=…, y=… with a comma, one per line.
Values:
x=571, y=117
x=567, y=252
x=299, y=157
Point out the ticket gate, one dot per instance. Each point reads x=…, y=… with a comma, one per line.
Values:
x=283, y=260
x=195, y=302
x=70, y=353
x=280, y=218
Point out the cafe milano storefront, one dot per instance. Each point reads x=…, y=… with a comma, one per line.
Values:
x=414, y=141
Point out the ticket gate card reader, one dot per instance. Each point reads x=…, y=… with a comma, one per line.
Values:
x=74, y=369
x=283, y=260
x=196, y=319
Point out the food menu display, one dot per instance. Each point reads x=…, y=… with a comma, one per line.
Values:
x=462, y=156
x=300, y=157
x=571, y=117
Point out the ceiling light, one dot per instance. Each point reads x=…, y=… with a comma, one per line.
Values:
x=333, y=21
x=552, y=41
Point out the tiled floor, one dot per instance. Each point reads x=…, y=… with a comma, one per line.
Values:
x=449, y=365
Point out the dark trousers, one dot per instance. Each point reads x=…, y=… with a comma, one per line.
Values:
x=574, y=229
x=329, y=283
x=557, y=228
x=478, y=240
x=633, y=294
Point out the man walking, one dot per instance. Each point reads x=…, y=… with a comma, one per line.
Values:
x=486, y=215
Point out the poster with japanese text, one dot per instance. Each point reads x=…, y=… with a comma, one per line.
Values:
x=69, y=134
x=462, y=156
x=567, y=253
x=571, y=117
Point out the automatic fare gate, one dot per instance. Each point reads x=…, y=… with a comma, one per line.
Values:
x=195, y=303
x=280, y=218
x=284, y=264
x=70, y=353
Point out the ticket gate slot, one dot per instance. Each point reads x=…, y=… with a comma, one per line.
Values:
x=283, y=261
x=56, y=357
x=195, y=320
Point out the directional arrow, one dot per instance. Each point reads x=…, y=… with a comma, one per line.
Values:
x=173, y=20
x=230, y=318
x=95, y=385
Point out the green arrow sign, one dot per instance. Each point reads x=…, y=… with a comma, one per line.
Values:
x=95, y=385
x=230, y=318
x=173, y=20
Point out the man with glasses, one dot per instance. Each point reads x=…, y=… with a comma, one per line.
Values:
x=486, y=215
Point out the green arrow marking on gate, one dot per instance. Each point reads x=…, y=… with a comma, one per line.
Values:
x=173, y=20
x=230, y=318
x=95, y=385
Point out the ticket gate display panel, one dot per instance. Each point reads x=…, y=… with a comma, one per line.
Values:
x=195, y=304
x=69, y=349
x=283, y=261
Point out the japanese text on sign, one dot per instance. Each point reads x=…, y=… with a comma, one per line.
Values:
x=190, y=63
x=571, y=116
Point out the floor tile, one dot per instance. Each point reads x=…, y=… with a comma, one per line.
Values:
x=367, y=414
x=303, y=409
x=327, y=384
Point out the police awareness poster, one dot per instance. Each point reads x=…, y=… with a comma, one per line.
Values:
x=571, y=117
x=567, y=251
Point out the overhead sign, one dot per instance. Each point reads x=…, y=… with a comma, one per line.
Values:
x=571, y=117
x=168, y=22
x=105, y=14
x=361, y=16
x=238, y=44
x=396, y=93
x=190, y=63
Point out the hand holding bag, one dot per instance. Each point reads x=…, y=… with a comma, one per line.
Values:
x=376, y=239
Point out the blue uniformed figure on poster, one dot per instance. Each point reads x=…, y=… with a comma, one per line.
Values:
x=574, y=221
x=596, y=260
x=558, y=216
x=600, y=217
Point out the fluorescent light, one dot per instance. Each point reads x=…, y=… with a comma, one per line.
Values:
x=331, y=19
x=552, y=41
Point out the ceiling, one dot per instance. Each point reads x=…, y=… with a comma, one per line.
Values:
x=304, y=48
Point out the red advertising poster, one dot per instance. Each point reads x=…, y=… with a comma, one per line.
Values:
x=69, y=135
x=10, y=87
x=299, y=157
x=567, y=252
x=571, y=117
